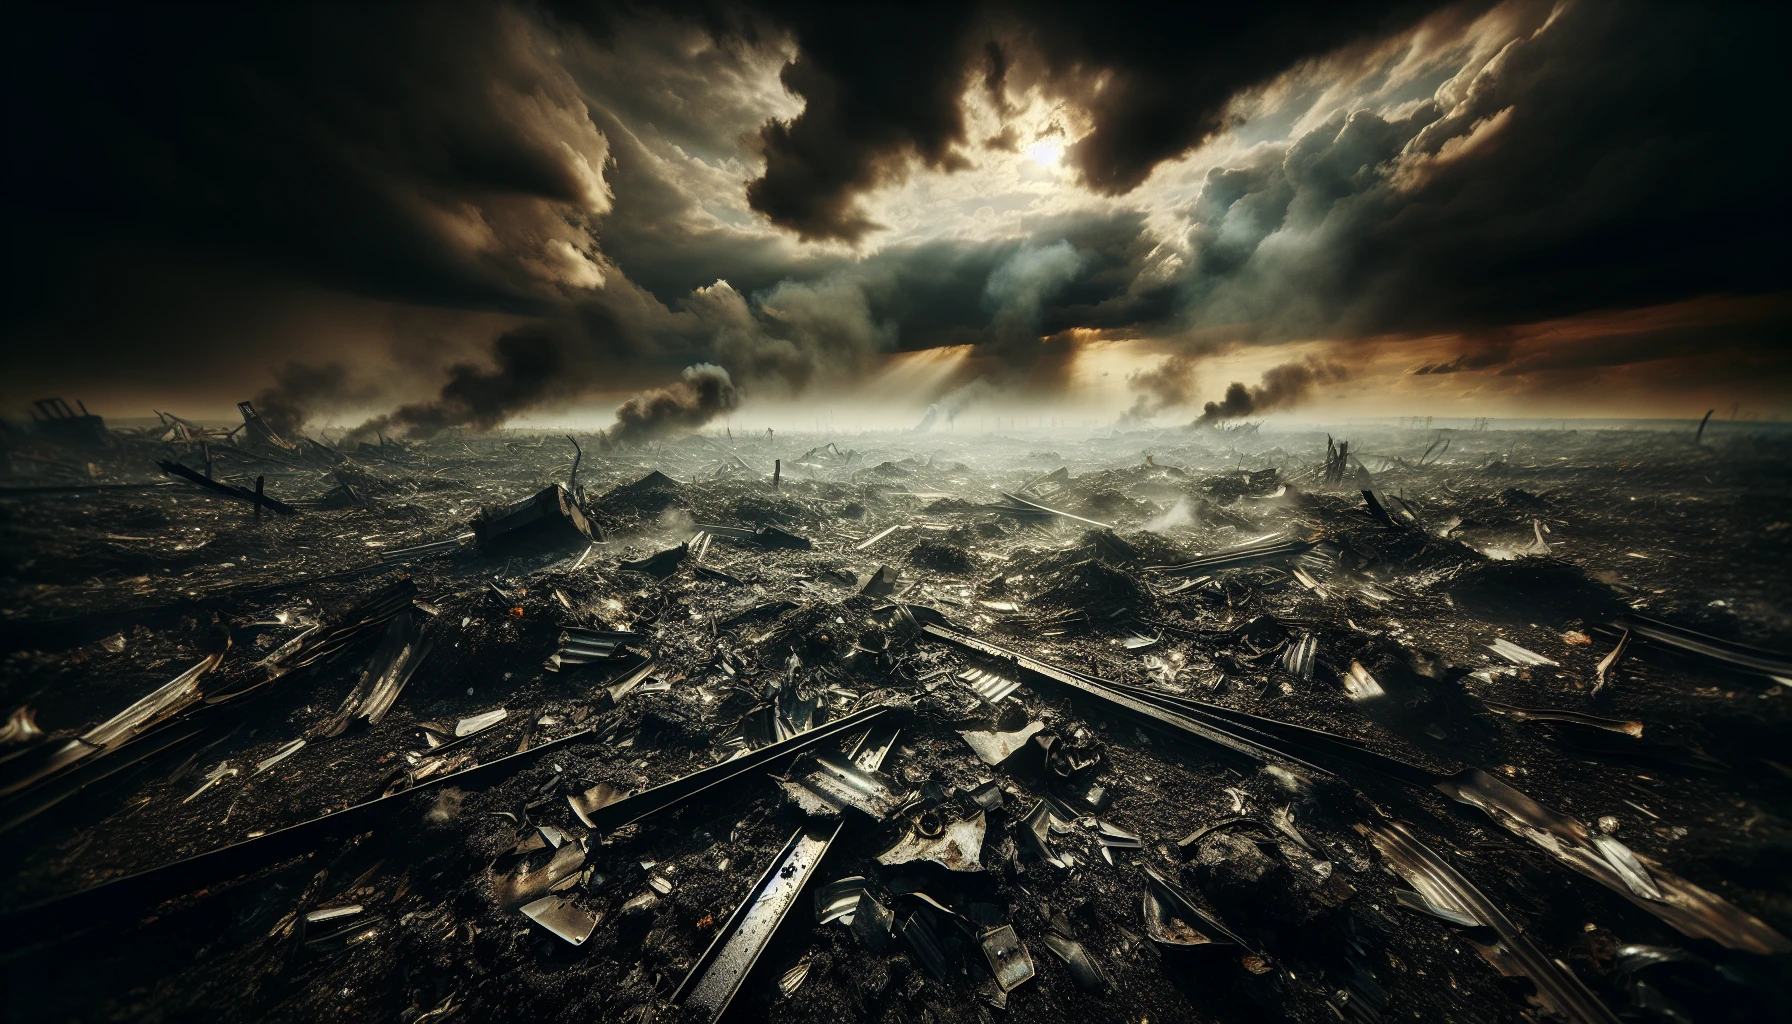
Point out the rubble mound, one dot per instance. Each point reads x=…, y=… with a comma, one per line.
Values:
x=1088, y=584
x=761, y=510
x=1515, y=497
x=1227, y=488
x=931, y=554
x=650, y=495
x=1152, y=548
x=1539, y=590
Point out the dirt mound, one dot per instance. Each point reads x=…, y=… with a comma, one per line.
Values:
x=1533, y=590
x=930, y=554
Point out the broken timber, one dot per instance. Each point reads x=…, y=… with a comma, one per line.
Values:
x=255, y=498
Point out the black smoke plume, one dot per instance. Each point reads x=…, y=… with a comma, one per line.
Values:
x=303, y=391
x=704, y=392
x=529, y=370
x=1282, y=387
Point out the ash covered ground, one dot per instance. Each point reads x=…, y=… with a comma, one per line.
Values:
x=1158, y=854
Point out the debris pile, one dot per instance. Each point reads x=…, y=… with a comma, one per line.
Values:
x=1248, y=726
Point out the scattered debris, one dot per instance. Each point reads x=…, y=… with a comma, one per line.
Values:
x=953, y=845
x=1628, y=727
x=1445, y=893
x=657, y=764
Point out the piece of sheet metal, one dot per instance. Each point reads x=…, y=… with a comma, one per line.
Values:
x=997, y=747
x=1450, y=895
x=126, y=896
x=958, y=846
x=1008, y=958
x=639, y=805
x=837, y=784
x=563, y=917
x=719, y=973
x=990, y=687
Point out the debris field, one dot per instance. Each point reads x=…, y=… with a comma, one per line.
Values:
x=1215, y=725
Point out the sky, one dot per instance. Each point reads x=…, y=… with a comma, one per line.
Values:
x=654, y=218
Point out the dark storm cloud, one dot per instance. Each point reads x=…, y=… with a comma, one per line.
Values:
x=592, y=170
x=1001, y=296
x=1157, y=84
x=884, y=87
x=435, y=155
x=1610, y=157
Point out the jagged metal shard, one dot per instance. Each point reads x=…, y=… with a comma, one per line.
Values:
x=1298, y=657
x=1447, y=894
x=712, y=982
x=958, y=846
x=997, y=747
x=836, y=901
x=563, y=917
x=587, y=646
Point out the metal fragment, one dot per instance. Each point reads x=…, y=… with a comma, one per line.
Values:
x=1628, y=727
x=793, y=979
x=1298, y=657
x=958, y=846
x=278, y=756
x=563, y=917
x=713, y=980
x=1009, y=961
x=1518, y=655
x=836, y=901
x=990, y=687
x=479, y=723
x=1085, y=970
x=871, y=922
x=1448, y=894
x=837, y=784
x=1172, y=919
x=997, y=747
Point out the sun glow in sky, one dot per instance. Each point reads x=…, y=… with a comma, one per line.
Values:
x=1046, y=151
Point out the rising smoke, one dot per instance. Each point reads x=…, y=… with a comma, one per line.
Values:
x=304, y=391
x=954, y=402
x=1283, y=387
x=1168, y=385
x=530, y=369
x=704, y=392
